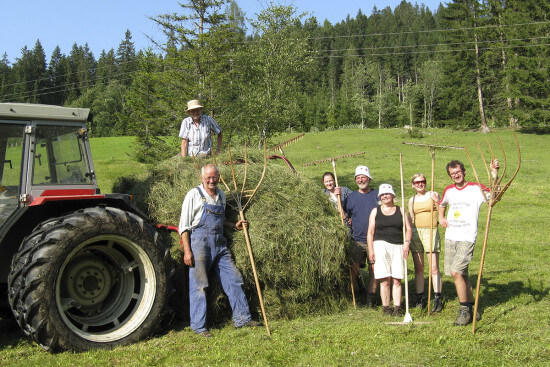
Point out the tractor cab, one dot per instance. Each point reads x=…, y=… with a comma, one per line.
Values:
x=44, y=152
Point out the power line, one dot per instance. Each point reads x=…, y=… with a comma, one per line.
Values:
x=92, y=70
x=70, y=87
x=433, y=45
x=427, y=52
x=430, y=30
x=95, y=69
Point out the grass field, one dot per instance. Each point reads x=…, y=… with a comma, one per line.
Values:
x=515, y=301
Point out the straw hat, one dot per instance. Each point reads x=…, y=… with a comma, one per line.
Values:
x=193, y=105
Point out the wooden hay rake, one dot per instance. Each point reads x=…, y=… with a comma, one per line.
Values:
x=282, y=156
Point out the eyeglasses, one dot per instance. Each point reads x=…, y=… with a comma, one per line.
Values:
x=456, y=174
x=213, y=178
x=419, y=182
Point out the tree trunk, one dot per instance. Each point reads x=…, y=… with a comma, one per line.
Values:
x=484, y=126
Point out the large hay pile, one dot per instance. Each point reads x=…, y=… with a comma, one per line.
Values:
x=299, y=244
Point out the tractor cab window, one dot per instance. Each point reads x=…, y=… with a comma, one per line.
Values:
x=11, y=145
x=59, y=156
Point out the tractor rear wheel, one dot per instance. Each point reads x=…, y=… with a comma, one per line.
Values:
x=95, y=278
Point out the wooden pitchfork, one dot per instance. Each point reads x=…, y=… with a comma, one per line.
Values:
x=242, y=199
x=339, y=204
x=496, y=191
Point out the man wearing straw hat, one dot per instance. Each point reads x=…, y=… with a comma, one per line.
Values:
x=463, y=199
x=195, y=131
x=358, y=206
x=205, y=248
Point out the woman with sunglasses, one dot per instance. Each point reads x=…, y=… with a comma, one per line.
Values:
x=420, y=207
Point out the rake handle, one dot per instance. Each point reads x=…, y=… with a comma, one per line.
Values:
x=338, y=197
x=430, y=260
x=253, y=264
x=404, y=234
x=481, y=263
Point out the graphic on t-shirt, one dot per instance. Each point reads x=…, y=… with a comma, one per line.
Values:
x=456, y=214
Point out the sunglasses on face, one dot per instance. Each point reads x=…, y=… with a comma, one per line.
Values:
x=419, y=182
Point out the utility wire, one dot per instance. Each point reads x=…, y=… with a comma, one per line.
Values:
x=95, y=69
x=433, y=45
x=70, y=87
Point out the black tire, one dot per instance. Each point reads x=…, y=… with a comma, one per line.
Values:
x=95, y=278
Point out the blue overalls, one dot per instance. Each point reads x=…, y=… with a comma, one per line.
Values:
x=209, y=250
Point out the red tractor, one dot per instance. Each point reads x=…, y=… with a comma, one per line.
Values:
x=80, y=269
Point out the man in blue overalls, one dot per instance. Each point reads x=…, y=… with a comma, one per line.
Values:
x=205, y=248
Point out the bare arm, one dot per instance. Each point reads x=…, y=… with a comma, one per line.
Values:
x=408, y=235
x=219, y=142
x=184, y=144
x=494, y=165
x=411, y=209
x=370, y=234
x=442, y=219
x=188, y=258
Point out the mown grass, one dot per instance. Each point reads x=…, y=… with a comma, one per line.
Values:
x=514, y=298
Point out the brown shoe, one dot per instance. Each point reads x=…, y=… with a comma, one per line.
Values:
x=464, y=316
x=387, y=310
x=397, y=311
x=205, y=334
x=251, y=323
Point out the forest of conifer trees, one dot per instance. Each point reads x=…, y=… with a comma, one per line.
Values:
x=474, y=64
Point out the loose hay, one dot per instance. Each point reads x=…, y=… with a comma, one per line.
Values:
x=299, y=244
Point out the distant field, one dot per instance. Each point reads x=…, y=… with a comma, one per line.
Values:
x=113, y=159
x=514, y=330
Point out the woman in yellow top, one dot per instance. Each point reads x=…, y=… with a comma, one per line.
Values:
x=420, y=207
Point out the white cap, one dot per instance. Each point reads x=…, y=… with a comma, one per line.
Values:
x=385, y=189
x=362, y=170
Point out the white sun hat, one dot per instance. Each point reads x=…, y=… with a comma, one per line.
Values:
x=362, y=170
x=385, y=189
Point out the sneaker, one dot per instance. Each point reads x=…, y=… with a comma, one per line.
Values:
x=464, y=316
x=420, y=301
x=205, y=334
x=251, y=323
x=387, y=310
x=397, y=311
x=438, y=305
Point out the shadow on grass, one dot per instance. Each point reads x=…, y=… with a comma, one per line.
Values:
x=545, y=130
x=494, y=294
x=10, y=333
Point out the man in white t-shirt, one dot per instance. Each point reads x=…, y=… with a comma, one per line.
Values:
x=463, y=200
x=195, y=131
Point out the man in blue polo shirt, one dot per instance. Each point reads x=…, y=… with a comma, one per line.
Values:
x=358, y=206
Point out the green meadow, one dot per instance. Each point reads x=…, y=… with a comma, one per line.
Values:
x=514, y=293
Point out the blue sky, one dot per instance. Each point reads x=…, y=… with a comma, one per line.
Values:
x=103, y=23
